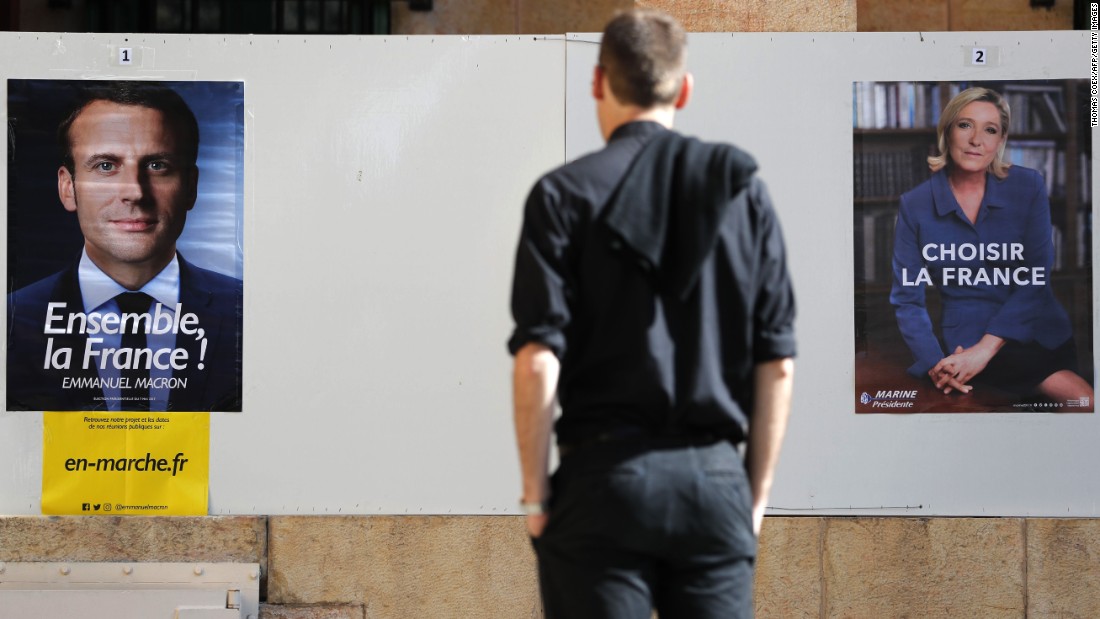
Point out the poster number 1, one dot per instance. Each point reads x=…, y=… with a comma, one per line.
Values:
x=978, y=56
x=125, y=55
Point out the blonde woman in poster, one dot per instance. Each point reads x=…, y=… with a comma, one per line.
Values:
x=979, y=230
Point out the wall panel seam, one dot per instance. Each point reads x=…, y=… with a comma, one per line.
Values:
x=1027, y=586
x=823, y=523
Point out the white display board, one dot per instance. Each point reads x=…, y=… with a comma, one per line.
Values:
x=385, y=178
x=787, y=99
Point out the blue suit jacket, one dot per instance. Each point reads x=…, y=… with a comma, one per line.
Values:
x=217, y=301
x=1014, y=210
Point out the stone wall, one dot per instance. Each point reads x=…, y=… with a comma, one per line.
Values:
x=380, y=567
x=760, y=15
x=944, y=15
x=476, y=17
x=560, y=16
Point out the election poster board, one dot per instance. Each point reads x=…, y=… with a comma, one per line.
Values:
x=933, y=280
x=123, y=186
x=338, y=166
x=143, y=464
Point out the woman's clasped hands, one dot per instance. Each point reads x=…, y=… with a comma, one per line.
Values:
x=954, y=372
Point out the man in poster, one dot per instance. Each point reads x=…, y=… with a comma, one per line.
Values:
x=130, y=324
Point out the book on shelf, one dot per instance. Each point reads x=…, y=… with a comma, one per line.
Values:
x=1084, y=174
x=1084, y=236
x=1041, y=155
x=895, y=105
x=885, y=175
x=1036, y=108
x=1057, y=240
x=874, y=250
x=1082, y=242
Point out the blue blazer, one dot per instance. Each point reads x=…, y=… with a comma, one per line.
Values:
x=216, y=299
x=1014, y=210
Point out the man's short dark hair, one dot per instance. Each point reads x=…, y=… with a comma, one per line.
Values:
x=642, y=54
x=153, y=95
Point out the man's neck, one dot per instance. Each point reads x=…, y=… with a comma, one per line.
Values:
x=97, y=287
x=628, y=114
x=131, y=276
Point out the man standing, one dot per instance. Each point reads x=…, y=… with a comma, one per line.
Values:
x=130, y=325
x=651, y=296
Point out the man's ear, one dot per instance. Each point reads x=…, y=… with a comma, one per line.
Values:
x=597, y=84
x=193, y=187
x=686, y=89
x=66, y=189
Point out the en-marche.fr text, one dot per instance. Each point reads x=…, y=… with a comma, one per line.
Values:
x=147, y=464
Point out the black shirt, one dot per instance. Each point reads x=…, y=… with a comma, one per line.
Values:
x=638, y=354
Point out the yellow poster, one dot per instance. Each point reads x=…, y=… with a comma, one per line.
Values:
x=147, y=464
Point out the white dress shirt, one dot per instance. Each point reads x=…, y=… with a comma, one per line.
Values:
x=98, y=291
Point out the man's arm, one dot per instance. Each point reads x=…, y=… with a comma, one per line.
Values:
x=534, y=383
x=772, y=382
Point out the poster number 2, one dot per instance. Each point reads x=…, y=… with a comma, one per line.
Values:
x=978, y=56
x=125, y=55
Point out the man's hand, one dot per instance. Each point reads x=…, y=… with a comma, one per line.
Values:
x=534, y=383
x=536, y=523
x=758, y=517
x=772, y=383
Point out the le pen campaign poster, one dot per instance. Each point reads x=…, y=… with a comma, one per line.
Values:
x=125, y=237
x=146, y=464
x=973, y=247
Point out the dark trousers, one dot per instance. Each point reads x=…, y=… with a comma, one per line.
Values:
x=636, y=526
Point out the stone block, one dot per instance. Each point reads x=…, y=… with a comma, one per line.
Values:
x=312, y=611
x=901, y=15
x=788, y=568
x=405, y=566
x=919, y=567
x=455, y=17
x=760, y=15
x=1063, y=568
x=1000, y=15
x=167, y=539
x=561, y=16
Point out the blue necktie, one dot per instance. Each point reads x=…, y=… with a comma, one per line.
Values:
x=134, y=397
